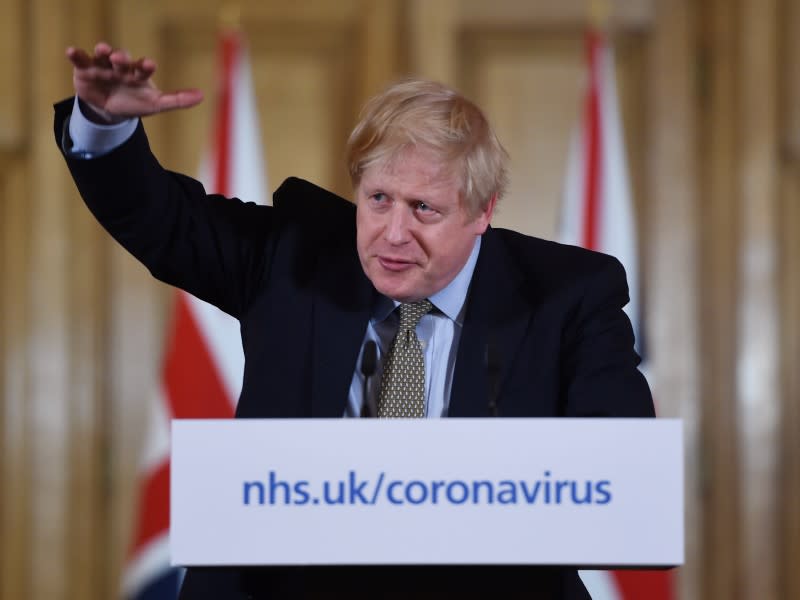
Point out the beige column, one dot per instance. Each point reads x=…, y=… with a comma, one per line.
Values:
x=758, y=360
x=788, y=489
x=719, y=219
x=432, y=26
x=15, y=441
x=48, y=325
x=12, y=72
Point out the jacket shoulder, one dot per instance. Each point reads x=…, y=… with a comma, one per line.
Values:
x=302, y=201
x=554, y=265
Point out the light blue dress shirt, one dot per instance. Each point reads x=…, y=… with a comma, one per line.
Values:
x=439, y=331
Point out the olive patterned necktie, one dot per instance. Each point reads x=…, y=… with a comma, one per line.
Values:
x=402, y=391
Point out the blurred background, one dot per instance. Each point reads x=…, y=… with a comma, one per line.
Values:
x=710, y=100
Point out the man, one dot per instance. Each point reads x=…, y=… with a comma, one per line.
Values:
x=468, y=320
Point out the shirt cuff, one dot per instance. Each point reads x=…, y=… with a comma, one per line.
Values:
x=90, y=139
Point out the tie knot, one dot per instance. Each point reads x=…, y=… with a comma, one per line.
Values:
x=412, y=312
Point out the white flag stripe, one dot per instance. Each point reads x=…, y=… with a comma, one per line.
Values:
x=572, y=208
x=152, y=558
x=618, y=229
x=248, y=171
x=156, y=444
x=220, y=333
x=601, y=585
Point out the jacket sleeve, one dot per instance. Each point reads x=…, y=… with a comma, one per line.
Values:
x=599, y=364
x=213, y=247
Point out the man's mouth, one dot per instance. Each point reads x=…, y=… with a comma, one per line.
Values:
x=395, y=264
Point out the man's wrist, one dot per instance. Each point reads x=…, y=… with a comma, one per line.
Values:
x=89, y=139
x=98, y=115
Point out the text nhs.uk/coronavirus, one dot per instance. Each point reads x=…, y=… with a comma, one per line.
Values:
x=353, y=490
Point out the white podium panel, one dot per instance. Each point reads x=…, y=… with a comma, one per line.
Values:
x=583, y=492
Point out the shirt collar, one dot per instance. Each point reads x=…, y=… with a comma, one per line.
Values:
x=450, y=300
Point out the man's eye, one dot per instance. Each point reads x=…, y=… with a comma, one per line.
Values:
x=378, y=197
x=422, y=207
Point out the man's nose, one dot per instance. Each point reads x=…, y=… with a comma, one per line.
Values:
x=397, y=226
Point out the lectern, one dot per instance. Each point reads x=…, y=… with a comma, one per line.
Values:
x=581, y=492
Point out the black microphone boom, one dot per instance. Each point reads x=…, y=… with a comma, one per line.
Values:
x=492, y=358
x=369, y=362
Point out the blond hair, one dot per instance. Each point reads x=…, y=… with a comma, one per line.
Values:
x=431, y=116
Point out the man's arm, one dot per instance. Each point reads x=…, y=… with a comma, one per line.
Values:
x=210, y=246
x=599, y=362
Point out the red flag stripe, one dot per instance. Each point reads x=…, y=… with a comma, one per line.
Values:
x=193, y=385
x=653, y=585
x=230, y=50
x=153, y=519
x=592, y=149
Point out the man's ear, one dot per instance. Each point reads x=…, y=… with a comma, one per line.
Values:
x=485, y=215
x=490, y=208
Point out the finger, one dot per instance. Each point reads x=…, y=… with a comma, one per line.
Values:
x=79, y=58
x=102, y=54
x=142, y=70
x=149, y=65
x=121, y=62
x=101, y=61
x=93, y=73
x=120, y=57
x=102, y=49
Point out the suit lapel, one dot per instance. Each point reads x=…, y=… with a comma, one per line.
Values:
x=340, y=315
x=498, y=312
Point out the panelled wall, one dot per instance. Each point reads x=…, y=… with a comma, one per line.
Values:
x=711, y=101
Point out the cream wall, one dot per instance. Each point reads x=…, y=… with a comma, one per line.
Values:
x=711, y=99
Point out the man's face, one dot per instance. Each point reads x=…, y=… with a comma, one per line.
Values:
x=414, y=234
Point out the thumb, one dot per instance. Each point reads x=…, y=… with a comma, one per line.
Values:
x=179, y=99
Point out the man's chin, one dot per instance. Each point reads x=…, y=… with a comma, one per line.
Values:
x=400, y=293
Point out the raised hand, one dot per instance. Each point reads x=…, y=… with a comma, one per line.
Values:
x=117, y=87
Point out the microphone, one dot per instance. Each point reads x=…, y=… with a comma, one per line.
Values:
x=492, y=358
x=369, y=362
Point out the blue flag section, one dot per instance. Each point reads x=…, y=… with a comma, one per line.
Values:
x=164, y=587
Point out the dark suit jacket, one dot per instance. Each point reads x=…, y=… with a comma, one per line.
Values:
x=291, y=275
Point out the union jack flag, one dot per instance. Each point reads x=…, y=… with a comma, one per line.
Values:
x=203, y=364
